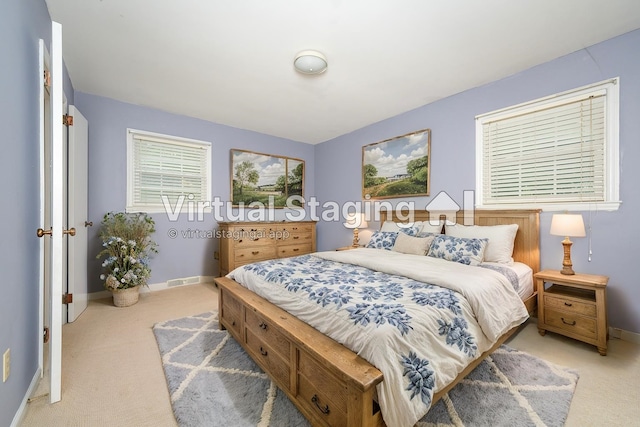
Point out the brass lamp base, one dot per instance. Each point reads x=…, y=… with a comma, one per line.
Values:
x=566, y=262
x=356, y=240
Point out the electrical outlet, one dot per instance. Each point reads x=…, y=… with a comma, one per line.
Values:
x=6, y=365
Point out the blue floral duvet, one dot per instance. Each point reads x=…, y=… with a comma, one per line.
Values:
x=420, y=320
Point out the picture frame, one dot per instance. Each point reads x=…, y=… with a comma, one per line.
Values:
x=265, y=180
x=397, y=167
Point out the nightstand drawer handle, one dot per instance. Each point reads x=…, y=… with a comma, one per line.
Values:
x=568, y=304
x=263, y=351
x=568, y=323
x=263, y=326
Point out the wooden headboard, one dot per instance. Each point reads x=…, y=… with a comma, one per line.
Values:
x=526, y=248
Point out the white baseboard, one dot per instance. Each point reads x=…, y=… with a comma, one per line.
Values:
x=624, y=335
x=154, y=287
x=17, y=418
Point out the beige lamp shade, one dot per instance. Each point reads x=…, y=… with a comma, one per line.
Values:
x=356, y=220
x=568, y=225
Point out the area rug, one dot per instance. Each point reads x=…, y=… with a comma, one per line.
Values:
x=213, y=382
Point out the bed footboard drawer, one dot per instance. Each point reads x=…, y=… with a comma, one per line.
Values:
x=269, y=359
x=231, y=313
x=265, y=331
x=321, y=391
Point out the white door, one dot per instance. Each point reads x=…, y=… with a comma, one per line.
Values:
x=58, y=214
x=77, y=213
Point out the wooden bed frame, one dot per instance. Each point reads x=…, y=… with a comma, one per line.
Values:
x=329, y=383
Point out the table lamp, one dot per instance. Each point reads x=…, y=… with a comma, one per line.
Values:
x=355, y=221
x=567, y=225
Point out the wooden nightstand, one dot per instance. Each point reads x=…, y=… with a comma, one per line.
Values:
x=574, y=305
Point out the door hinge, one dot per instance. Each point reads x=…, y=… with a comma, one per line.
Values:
x=67, y=120
x=67, y=298
x=45, y=335
x=47, y=78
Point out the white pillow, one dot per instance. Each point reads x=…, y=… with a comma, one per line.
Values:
x=411, y=228
x=412, y=245
x=427, y=227
x=501, y=238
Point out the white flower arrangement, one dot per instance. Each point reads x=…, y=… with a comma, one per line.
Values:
x=127, y=245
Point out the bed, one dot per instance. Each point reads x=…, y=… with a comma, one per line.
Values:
x=330, y=383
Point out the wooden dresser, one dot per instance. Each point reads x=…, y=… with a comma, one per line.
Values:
x=245, y=242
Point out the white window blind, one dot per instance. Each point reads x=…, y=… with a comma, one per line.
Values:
x=555, y=151
x=160, y=165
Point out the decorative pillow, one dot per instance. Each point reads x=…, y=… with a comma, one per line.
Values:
x=458, y=249
x=383, y=240
x=412, y=245
x=409, y=228
x=427, y=227
x=501, y=238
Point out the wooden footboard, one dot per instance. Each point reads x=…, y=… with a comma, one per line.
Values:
x=330, y=385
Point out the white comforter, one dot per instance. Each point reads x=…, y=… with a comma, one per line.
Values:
x=419, y=335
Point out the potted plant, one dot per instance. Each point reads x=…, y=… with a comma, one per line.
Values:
x=127, y=245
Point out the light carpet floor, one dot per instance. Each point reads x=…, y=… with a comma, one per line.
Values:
x=112, y=372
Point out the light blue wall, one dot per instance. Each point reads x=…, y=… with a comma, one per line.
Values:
x=614, y=234
x=179, y=257
x=22, y=24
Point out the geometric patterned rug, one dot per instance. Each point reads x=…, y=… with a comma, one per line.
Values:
x=213, y=382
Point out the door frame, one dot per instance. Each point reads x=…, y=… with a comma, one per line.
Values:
x=44, y=65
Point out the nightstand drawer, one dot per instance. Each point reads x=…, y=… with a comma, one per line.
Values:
x=570, y=306
x=580, y=325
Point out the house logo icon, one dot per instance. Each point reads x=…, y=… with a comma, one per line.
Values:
x=444, y=205
x=441, y=205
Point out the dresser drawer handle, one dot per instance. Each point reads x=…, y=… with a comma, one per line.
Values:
x=240, y=241
x=233, y=323
x=255, y=252
x=263, y=351
x=263, y=326
x=296, y=249
x=296, y=237
x=568, y=304
x=324, y=410
x=255, y=239
x=568, y=323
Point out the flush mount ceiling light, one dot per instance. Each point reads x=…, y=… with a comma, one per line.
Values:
x=310, y=62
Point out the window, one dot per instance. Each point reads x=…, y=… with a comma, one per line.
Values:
x=555, y=153
x=162, y=165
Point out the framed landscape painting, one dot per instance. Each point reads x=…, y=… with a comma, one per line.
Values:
x=258, y=178
x=397, y=167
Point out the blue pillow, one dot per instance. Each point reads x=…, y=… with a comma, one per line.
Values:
x=383, y=240
x=458, y=249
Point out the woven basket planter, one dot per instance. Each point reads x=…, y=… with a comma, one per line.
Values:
x=126, y=297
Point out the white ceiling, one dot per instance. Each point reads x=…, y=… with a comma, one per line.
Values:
x=231, y=62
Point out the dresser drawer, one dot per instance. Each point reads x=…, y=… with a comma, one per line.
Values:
x=295, y=239
x=293, y=250
x=569, y=306
x=575, y=323
x=287, y=230
x=273, y=363
x=321, y=391
x=231, y=313
x=267, y=333
x=253, y=254
x=249, y=237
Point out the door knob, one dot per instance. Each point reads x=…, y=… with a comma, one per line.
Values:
x=71, y=231
x=41, y=233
